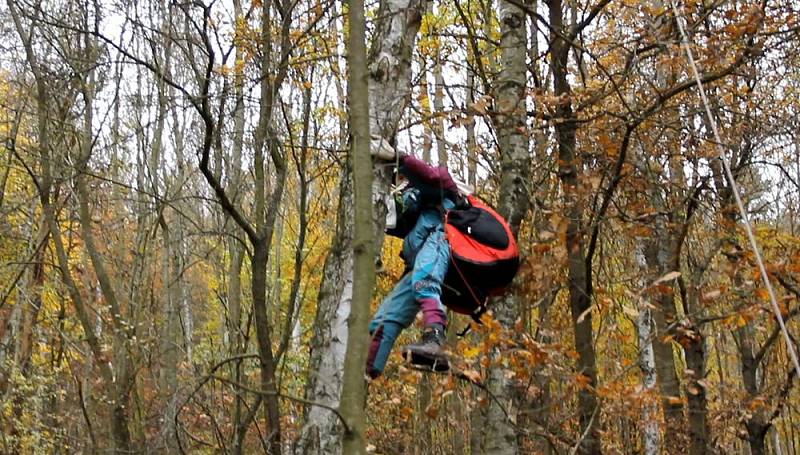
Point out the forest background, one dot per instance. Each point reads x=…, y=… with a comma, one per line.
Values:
x=178, y=233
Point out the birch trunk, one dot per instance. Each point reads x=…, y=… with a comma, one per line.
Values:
x=660, y=255
x=389, y=63
x=321, y=432
x=651, y=433
x=425, y=108
x=510, y=124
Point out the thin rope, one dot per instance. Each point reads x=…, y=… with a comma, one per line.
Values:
x=735, y=189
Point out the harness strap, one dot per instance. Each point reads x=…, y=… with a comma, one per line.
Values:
x=476, y=316
x=481, y=305
x=460, y=274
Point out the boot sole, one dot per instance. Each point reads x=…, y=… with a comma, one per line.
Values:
x=432, y=362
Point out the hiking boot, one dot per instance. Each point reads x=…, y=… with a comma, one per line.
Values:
x=428, y=352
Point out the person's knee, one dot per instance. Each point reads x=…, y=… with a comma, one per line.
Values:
x=373, y=325
x=427, y=288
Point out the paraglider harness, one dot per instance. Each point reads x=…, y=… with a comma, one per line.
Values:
x=484, y=257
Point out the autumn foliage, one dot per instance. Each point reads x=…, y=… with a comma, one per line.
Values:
x=176, y=244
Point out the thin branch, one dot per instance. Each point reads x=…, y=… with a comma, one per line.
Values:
x=45, y=234
x=578, y=28
x=199, y=385
x=609, y=193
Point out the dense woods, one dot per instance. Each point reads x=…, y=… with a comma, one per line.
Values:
x=192, y=226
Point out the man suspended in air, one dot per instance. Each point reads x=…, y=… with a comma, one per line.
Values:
x=450, y=241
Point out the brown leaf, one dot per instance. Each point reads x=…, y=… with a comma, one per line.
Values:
x=674, y=400
x=472, y=375
x=432, y=411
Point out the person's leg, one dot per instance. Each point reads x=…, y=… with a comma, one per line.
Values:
x=427, y=277
x=397, y=312
x=430, y=267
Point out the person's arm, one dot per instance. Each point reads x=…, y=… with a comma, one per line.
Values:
x=421, y=173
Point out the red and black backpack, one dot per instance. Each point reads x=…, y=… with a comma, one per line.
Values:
x=483, y=257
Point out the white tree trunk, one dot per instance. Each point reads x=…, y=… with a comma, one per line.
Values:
x=510, y=124
x=647, y=363
x=322, y=432
x=390, y=73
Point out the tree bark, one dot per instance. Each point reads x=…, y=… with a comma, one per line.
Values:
x=389, y=62
x=661, y=255
x=510, y=123
x=438, y=109
x=651, y=431
x=353, y=384
x=579, y=273
x=471, y=142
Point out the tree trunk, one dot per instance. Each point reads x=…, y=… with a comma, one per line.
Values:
x=664, y=316
x=694, y=349
x=471, y=142
x=353, y=385
x=757, y=425
x=428, y=132
x=234, y=330
x=579, y=273
x=123, y=329
x=644, y=325
x=390, y=74
x=750, y=355
x=541, y=407
x=660, y=253
x=477, y=435
x=438, y=110
x=510, y=124
x=259, y=262
x=322, y=432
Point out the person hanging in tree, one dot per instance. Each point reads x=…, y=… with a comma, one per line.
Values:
x=426, y=253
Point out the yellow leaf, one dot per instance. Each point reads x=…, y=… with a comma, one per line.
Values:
x=631, y=312
x=472, y=352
